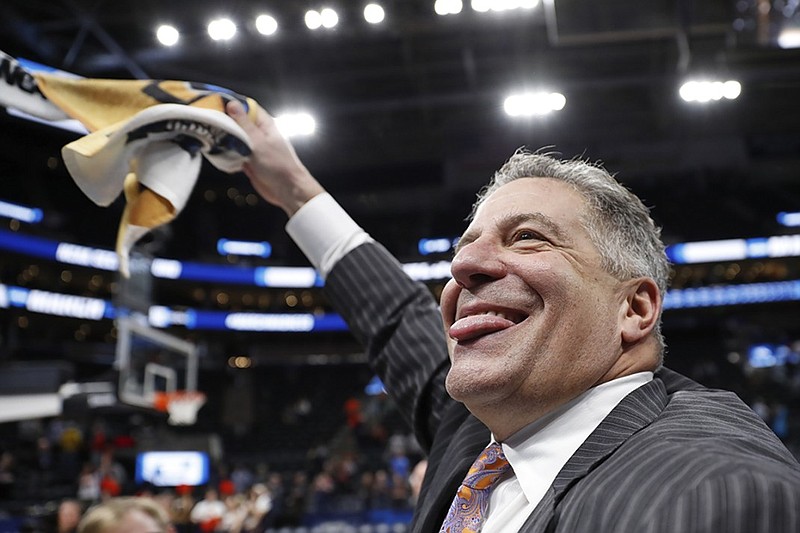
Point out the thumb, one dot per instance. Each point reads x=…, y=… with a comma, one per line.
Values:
x=237, y=112
x=249, y=121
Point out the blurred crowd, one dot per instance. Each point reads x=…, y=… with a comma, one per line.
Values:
x=364, y=472
x=54, y=470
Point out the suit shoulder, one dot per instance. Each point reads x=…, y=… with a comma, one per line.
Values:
x=737, y=499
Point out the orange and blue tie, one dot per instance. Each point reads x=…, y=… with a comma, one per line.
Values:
x=468, y=510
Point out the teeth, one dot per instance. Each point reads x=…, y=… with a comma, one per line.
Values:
x=494, y=313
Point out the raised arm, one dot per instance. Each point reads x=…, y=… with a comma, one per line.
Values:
x=395, y=318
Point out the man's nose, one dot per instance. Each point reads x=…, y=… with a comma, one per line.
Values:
x=476, y=263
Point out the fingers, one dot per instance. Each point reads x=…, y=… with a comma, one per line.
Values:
x=236, y=111
x=234, y=108
x=262, y=118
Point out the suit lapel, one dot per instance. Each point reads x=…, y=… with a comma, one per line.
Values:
x=634, y=412
x=469, y=439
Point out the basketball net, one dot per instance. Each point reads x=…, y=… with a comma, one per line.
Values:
x=182, y=406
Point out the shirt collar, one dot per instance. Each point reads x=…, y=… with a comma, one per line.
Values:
x=538, y=451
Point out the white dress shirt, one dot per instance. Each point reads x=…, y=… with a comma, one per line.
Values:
x=537, y=452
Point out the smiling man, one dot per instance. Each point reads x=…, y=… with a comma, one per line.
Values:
x=536, y=316
x=550, y=411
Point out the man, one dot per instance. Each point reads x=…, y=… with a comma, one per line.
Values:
x=553, y=321
x=68, y=515
x=126, y=515
x=209, y=512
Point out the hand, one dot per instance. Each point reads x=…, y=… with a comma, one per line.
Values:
x=274, y=169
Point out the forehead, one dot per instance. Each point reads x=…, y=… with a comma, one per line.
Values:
x=553, y=198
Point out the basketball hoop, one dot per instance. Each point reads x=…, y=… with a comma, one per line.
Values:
x=181, y=405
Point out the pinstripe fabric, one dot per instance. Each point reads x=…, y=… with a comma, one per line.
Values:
x=399, y=324
x=672, y=457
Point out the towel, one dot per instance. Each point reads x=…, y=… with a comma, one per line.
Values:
x=146, y=139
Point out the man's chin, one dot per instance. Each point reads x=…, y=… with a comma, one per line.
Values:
x=470, y=387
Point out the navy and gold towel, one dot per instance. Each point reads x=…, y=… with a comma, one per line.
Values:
x=146, y=139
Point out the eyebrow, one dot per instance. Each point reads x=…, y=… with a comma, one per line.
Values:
x=516, y=219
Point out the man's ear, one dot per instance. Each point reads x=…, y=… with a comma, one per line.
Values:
x=641, y=310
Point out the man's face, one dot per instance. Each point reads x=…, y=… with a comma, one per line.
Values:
x=69, y=514
x=532, y=317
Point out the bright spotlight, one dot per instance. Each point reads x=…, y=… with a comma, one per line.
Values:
x=313, y=19
x=221, y=29
x=789, y=219
x=530, y=104
x=448, y=7
x=296, y=124
x=266, y=25
x=789, y=38
x=374, y=14
x=167, y=35
x=557, y=101
x=703, y=91
x=329, y=17
x=731, y=89
x=481, y=6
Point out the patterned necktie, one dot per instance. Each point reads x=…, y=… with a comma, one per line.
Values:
x=467, y=511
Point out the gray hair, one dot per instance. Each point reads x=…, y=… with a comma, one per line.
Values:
x=618, y=223
x=104, y=517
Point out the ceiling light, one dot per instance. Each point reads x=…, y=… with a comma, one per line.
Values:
x=706, y=91
x=167, y=35
x=374, y=14
x=529, y=104
x=789, y=38
x=229, y=247
x=266, y=24
x=329, y=17
x=221, y=29
x=482, y=6
x=20, y=212
x=790, y=219
x=295, y=124
x=448, y=7
x=313, y=19
x=731, y=89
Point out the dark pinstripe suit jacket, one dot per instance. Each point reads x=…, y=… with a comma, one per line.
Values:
x=673, y=456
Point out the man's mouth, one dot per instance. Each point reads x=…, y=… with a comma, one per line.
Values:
x=472, y=325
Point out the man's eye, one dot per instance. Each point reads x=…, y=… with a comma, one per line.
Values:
x=526, y=235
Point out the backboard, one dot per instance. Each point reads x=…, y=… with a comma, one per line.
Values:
x=151, y=361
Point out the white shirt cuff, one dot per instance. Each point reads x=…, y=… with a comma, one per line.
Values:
x=325, y=232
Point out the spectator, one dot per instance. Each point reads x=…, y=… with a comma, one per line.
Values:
x=415, y=479
x=258, y=506
x=7, y=477
x=68, y=516
x=235, y=513
x=89, y=484
x=208, y=512
x=126, y=515
x=181, y=509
